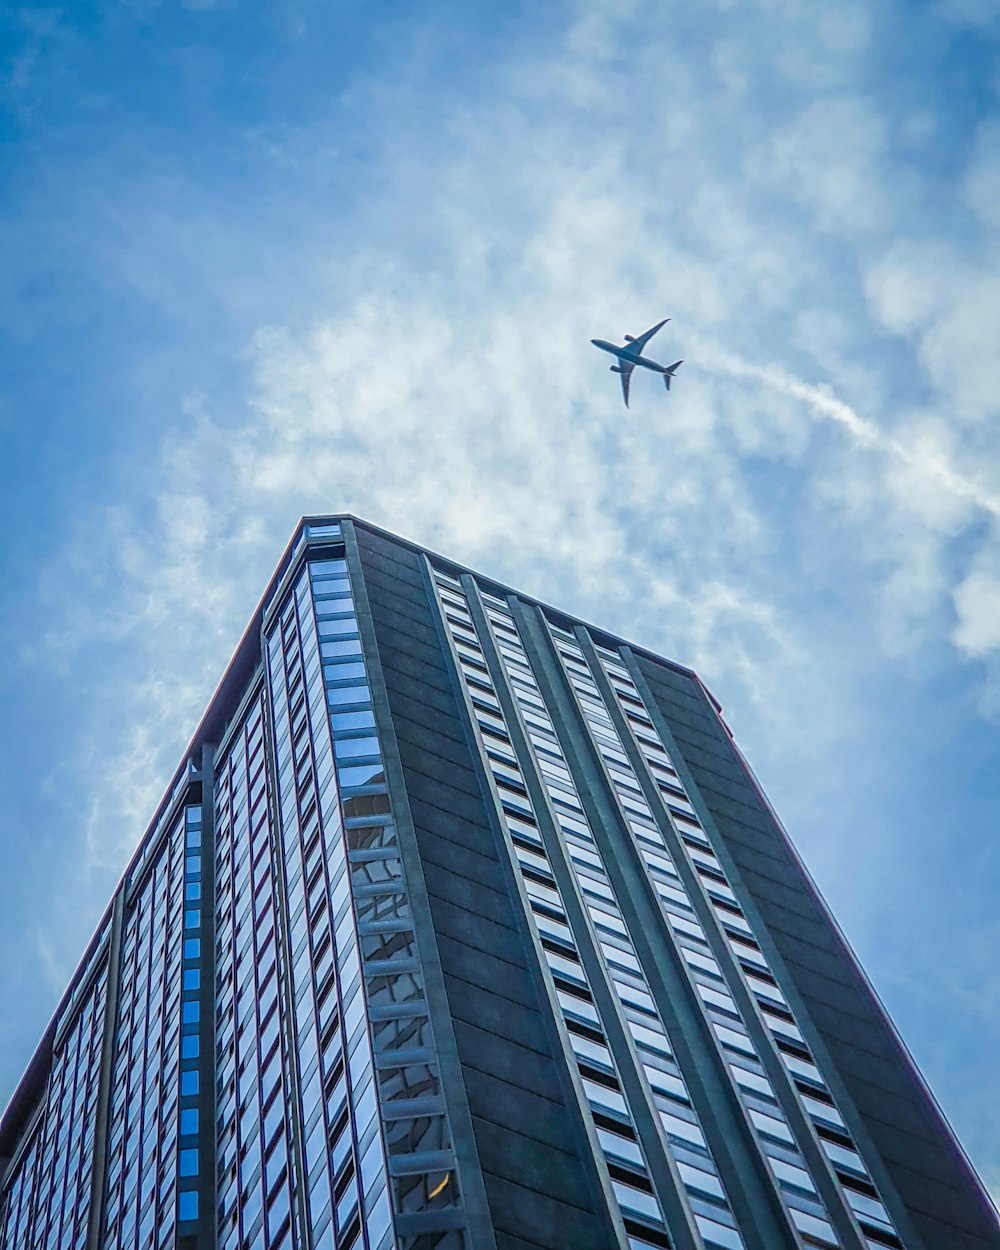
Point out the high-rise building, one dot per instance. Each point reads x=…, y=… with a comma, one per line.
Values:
x=464, y=926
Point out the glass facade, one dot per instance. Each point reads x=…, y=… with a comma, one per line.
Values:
x=268, y=1045
x=140, y=1201
x=49, y=1189
x=375, y=1126
x=254, y=1169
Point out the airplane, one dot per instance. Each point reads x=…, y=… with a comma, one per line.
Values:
x=630, y=354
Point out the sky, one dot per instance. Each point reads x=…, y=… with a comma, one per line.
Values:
x=260, y=260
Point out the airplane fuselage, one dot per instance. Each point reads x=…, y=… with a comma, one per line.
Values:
x=623, y=353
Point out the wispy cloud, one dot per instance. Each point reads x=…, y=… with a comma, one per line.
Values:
x=412, y=277
x=449, y=346
x=931, y=467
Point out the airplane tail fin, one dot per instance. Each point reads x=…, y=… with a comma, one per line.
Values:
x=669, y=373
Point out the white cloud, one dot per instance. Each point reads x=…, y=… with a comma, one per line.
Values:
x=443, y=384
x=832, y=159
x=977, y=604
x=942, y=294
x=908, y=282
x=814, y=499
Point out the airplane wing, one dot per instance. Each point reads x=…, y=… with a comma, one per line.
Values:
x=639, y=343
x=625, y=373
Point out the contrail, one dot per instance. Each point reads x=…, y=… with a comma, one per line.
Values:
x=865, y=433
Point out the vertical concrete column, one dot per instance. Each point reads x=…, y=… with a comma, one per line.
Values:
x=95, y=1219
x=205, y=1237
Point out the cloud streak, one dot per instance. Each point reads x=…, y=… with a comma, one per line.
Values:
x=864, y=433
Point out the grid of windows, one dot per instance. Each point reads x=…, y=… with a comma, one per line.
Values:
x=684, y=1135
x=141, y=1186
x=415, y=1124
x=749, y=959
x=66, y=1156
x=48, y=1201
x=192, y=1026
x=372, y=1106
x=19, y=1192
x=774, y=1136
x=613, y=1120
x=254, y=1176
x=334, y=1094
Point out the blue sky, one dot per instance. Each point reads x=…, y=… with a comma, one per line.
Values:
x=263, y=259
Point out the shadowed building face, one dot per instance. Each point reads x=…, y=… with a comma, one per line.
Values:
x=463, y=925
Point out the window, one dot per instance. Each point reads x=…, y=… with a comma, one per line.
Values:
x=187, y=1205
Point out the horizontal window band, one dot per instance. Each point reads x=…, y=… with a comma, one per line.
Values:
x=791, y=1048
x=405, y=1056
x=630, y=1175
x=370, y=928
x=877, y=1234
x=412, y=1108
x=422, y=1161
x=837, y=1137
x=588, y=1031
x=397, y=1011
x=646, y=1233
x=378, y=888
x=547, y=910
x=389, y=967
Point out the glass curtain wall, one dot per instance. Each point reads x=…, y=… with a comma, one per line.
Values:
x=376, y=1131
x=255, y=1173
x=19, y=1196
x=140, y=1209
x=48, y=1203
